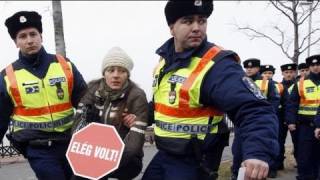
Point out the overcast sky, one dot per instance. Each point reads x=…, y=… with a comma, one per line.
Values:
x=139, y=27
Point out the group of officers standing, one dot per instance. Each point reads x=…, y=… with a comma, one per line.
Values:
x=296, y=101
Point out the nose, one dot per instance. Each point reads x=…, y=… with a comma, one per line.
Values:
x=116, y=74
x=195, y=26
x=29, y=39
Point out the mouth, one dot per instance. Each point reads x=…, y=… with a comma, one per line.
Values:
x=195, y=38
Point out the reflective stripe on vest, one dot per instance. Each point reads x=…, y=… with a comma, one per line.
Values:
x=42, y=100
x=280, y=88
x=309, y=97
x=263, y=86
x=185, y=128
x=186, y=111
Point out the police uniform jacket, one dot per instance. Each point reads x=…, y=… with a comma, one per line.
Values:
x=38, y=66
x=226, y=88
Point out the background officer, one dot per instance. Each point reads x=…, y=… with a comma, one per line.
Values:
x=195, y=82
x=301, y=112
x=289, y=73
x=303, y=69
x=37, y=94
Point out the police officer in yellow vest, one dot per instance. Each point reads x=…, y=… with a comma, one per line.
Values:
x=289, y=73
x=195, y=82
x=37, y=95
x=301, y=112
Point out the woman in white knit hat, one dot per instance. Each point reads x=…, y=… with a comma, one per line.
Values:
x=114, y=99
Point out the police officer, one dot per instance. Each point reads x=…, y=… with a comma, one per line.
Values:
x=301, y=111
x=289, y=73
x=195, y=82
x=37, y=94
x=268, y=89
x=303, y=69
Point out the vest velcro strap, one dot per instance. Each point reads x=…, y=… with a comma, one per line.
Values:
x=42, y=125
x=22, y=111
x=185, y=128
x=186, y=112
x=313, y=109
x=67, y=71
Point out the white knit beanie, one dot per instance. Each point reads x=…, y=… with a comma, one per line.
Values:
x=117, y=57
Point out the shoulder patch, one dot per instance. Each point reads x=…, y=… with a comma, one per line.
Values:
x=248, y=82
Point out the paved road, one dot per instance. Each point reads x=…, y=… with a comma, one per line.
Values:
x=22, y=171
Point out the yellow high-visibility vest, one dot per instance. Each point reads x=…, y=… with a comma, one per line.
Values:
x=43, y=104
x=309, y=97
x=178, y=112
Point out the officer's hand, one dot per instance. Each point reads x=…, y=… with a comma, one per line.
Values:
x=292, y=127
x=128, y=119
x=255, y=169
x=317, y=133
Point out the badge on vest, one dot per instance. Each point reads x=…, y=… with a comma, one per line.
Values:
x=172, y=97
x=176, y=79
x=59, y=91
x=155, y=81
x=54, y=81
x=32, y=89
x=309, y=89
x=248, y=82
x=172, y=93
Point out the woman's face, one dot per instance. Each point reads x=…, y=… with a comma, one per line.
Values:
x=116, y=77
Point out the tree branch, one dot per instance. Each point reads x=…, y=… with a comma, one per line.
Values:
x=307, y=36
x=311, y=44
x=275, y=4
x=309, y=14
x=257, y=34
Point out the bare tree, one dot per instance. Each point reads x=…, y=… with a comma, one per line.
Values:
x=58, y=27
x=297, y=16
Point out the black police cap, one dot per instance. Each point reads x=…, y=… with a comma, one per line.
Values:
x=303, y=66
x=291, y=66
x=265, y=68
x=176, y=9
x=22, y=20
x=312, y=60
x=252, y=62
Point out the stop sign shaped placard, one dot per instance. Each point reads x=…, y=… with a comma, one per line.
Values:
x=95, y=151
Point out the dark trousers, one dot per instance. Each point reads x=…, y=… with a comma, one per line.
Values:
x=308, y=154
x=127, y=172
x=166, y=166
x=236, y=150
x=49, y=163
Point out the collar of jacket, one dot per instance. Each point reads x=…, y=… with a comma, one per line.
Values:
x=175, y=60
x=33, y=60
x=256, y=77
x=287, y=83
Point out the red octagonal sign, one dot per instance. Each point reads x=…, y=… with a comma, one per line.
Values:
x=95, y=151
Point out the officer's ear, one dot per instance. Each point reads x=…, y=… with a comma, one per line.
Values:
x=171, y=30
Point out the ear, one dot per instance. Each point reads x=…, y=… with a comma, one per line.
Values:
x=41, y=38
x=171, y=29
x=15, y=42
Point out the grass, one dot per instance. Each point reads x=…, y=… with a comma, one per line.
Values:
x=289, y=163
